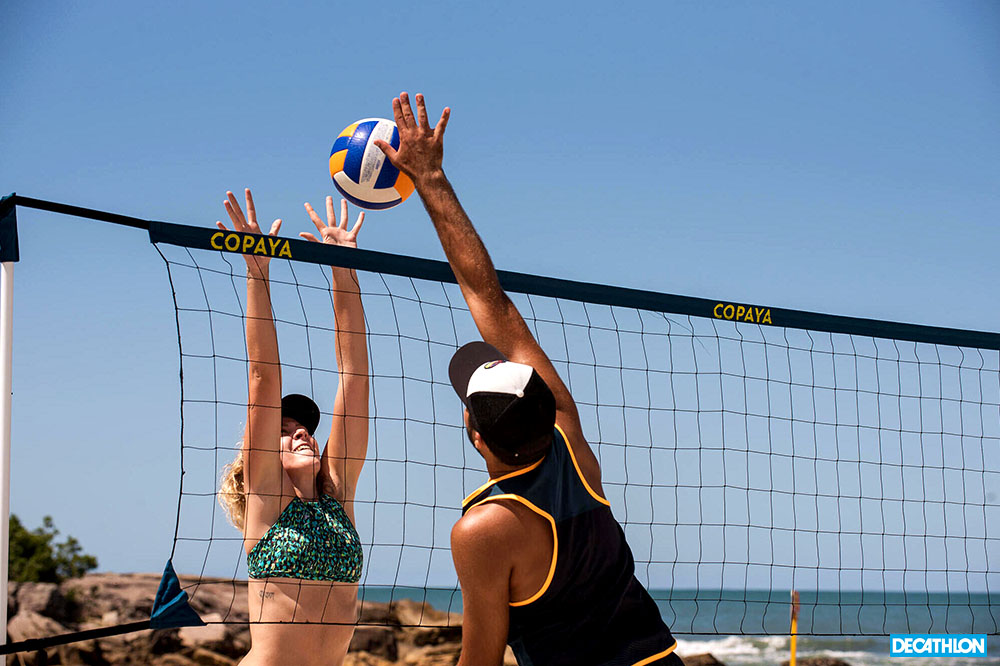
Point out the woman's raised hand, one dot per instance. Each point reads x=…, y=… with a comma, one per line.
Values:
x=333, y=232
x=247, y=224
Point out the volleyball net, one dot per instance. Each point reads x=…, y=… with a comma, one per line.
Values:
x=746, y=450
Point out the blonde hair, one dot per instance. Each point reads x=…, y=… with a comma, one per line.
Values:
x=232, y=492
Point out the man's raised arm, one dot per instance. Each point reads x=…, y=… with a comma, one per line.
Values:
x=420, y=156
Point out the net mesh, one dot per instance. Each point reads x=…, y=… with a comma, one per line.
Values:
x=742, y=460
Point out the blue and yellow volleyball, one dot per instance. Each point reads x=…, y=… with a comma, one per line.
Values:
x=360, y=170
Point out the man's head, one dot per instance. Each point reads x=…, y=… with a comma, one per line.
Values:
x=508, y=403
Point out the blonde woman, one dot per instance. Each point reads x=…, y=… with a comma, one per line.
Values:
x=294, y=504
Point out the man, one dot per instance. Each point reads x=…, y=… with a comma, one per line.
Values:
x=542, y=562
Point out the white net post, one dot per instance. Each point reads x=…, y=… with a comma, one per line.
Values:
x=6, y=357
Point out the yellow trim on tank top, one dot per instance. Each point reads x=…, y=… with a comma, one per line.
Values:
x=578, y=472
x=658, y=655
x=555, y=543
x=489, y=483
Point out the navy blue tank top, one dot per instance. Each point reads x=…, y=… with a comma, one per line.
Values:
x=591, y=610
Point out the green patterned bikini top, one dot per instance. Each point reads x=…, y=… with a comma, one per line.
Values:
x=312, y=540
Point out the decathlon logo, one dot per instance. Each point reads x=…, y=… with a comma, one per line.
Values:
x=937, y=645
x=251, y=244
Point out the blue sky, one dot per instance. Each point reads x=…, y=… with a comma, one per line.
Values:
x=835, y=157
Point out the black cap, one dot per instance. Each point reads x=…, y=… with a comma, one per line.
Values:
x=466, y=361
x=302, y=409
x=509, y=403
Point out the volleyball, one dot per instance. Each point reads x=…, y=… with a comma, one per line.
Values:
x=360, y=170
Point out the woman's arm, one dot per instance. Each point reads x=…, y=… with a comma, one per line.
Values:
x=262, y=439
x=345, y=452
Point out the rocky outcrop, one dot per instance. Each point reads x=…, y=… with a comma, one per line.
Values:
x=385, y=637
x=406, y=632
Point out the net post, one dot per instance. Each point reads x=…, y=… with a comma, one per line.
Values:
x=8, y=255
x=6, y=331
x=795, y=628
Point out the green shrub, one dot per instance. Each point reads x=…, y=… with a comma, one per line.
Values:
x=36, y=557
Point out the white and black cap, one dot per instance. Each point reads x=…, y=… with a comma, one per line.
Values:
x=509, y=403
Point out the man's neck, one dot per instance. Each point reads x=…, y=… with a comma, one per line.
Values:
x=496, y=469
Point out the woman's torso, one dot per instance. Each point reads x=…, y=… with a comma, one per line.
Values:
x=303, y=588
x=303, y=622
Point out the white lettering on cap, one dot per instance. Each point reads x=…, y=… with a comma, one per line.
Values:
x=500, y=377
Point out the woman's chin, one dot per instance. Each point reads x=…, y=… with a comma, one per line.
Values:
x=298, y=462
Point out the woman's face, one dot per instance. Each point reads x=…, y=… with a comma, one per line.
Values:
x=299, y=450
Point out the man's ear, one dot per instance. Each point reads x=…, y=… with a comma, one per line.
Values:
x=477, y=441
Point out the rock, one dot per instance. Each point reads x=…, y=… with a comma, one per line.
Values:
x=433, y=635
x=239, y=640
x=204, y=657
x=701, y=660
x=165, y=641
x=416, y=613
x=405, y=632
x=817, y=661
x=378, y=641
x=226, y=597
x=173, y=660
x=45, y=599
x=131, y=595
x=134, y=647
x=437, y=655
x=12, y=599
x=376, y=613
x=210, y=636
x=84, y=652
x=38, y=658
x=29, y=624
x=365, y=659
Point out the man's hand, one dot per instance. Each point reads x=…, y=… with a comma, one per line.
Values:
x=421, y=147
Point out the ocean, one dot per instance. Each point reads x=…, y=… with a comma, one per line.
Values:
x=750, y=627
